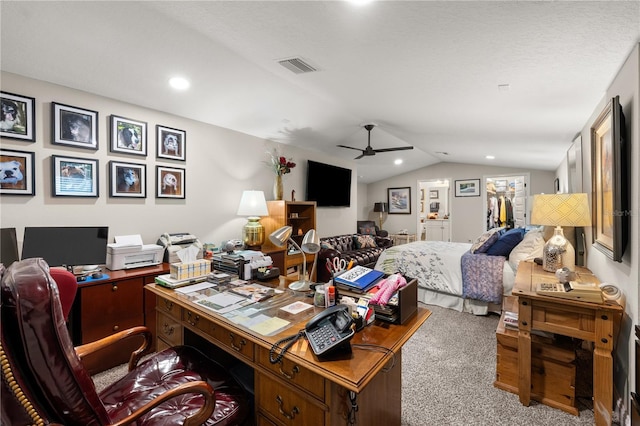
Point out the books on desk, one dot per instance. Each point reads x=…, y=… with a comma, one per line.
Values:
x=167, y=281
x=358, y=278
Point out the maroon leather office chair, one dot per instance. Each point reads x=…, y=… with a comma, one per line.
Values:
x=67, y=288
x=44, y=381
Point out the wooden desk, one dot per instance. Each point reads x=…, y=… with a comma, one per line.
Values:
x=300, y=388
x=583, y=320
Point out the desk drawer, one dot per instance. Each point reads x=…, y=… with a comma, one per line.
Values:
x=168, y=307
x=169, y=329
x=293, y=373
x=285, y=403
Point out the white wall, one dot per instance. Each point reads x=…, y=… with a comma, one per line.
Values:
x=220, y=164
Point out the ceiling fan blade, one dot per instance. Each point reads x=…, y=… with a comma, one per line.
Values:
x=359, y=156
x=400, y=148
x=350, y=147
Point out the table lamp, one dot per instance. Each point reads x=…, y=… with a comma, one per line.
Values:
x=310, y=244
x=560, y=210
x=380, y=208
x=253, y=205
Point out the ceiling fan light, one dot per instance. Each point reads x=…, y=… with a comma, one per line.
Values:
x=398, y=161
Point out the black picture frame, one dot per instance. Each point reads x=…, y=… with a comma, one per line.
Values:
x=74, y=177
x=74, y=126
x=467, y=188
x=18, y=119
x=399, y=200
x=17, y=172
x=610, y=177
x=171, y=143
x=128, y=180
x=170, y=182
x=128, y=136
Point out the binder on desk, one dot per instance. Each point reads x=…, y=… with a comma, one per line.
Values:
x=359, y=277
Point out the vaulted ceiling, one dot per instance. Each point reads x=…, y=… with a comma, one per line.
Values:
x=456, y=80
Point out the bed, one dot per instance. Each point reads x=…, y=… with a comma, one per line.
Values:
x=463, y=276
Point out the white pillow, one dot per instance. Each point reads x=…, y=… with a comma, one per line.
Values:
x=529, y=248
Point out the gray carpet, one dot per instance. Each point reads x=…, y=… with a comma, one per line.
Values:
x=448, y=369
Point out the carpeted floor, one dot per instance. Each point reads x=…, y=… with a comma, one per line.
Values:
x=448, y=369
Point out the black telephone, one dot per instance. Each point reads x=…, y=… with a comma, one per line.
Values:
x=330, y=330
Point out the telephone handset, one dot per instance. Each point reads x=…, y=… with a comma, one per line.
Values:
x=330, y=329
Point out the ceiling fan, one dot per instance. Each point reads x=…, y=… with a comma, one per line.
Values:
x=368, y=151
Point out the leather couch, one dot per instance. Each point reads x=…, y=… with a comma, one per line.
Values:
x=344, y=247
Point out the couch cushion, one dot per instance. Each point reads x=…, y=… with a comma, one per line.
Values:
x=364, y=241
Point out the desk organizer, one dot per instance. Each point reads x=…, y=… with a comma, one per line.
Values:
x=186, y=270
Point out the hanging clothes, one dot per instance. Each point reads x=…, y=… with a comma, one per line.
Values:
x=493, y=212
x=508, y=213
x=503, y=211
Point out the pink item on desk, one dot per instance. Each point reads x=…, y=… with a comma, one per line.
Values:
x=387, y=287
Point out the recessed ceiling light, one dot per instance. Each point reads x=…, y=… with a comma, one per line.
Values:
x=179, y=83
x=398, y=161
x=504, y=87
x=490, y=157
x=360, y=2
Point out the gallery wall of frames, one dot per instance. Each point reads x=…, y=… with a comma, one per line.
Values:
x=76, y=127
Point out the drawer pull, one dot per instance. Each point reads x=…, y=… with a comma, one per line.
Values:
x=295, y=370
x=116, y=328
x=168, y=329
x=239, y=347
x=193, y=321
x=168, y=304
x=294, y=410
x=114, y=288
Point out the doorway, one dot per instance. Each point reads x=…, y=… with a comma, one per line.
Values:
x=506, y=201
x=434, y=199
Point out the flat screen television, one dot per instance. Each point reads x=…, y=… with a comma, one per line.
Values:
x=67, y=246
x=8, y=246
x=327, y=185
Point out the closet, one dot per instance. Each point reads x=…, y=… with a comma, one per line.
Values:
x=506, y=201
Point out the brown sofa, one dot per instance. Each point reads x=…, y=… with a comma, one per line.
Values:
x=344, y=247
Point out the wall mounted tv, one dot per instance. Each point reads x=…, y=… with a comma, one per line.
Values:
x=327, y=185
x=67, y=246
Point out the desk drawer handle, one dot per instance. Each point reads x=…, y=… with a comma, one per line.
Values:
x=168, y=304
x=295, y=370
x=193, y=321
x=294, y=410
x=168, y=329
x=114, y=288
x=239, y=347
x=116, y=328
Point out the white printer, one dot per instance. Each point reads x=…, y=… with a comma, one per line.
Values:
x=128, y=252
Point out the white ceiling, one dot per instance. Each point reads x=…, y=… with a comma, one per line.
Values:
x=426, y=72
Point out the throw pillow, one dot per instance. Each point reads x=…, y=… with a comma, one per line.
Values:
x=325, y=245
x=506, y=242
x=367, y=230
x=529, y=248
x=486, y=240
x=364, y=241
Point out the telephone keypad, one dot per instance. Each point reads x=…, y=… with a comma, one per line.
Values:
x=323, y=337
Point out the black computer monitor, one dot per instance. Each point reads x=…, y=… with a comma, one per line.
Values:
x=67, y=246
x=8, y=246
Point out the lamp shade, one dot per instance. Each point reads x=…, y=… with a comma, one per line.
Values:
x=280, y=236
x=311, y=242
x=253, y=203
x=560, y=210
x=380, y=207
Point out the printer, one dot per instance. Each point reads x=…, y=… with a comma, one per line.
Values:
x=128, y=252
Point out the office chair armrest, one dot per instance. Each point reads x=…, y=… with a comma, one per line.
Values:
x=92, y=347
x=197, y=419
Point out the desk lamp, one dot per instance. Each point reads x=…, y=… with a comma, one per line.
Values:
x=380, y=208
x=310, y=244
x=559, y=210
x=254, y=205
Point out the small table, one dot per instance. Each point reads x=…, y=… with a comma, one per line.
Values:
x=596, y=322
x=402, y=238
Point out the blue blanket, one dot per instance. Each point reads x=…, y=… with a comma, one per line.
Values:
x=482, y=277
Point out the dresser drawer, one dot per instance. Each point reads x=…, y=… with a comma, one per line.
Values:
x=285, y=403
x=169, y=329
x=293, y=373
x=168, y=307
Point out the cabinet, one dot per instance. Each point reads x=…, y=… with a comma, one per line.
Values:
x=437, y=230
x=301, y=216
x=104, y=307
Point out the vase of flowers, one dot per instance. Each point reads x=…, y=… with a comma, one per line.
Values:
x=281, y=166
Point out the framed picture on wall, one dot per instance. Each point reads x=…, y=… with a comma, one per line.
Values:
x=127, y=180
x=17, y=172
x=171, y=143
x=73, y=126
x=18, y=117
x=399, y=200
x=433, y=194
x=128, y=136
x=170, y=182
x=609, y=174
x=467, y=188
x=74, y=177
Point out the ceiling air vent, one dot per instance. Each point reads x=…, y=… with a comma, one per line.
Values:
x=296, y=65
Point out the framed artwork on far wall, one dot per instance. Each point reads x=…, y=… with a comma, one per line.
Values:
x=18, y=117
x=399, y=200
x=17, y=172
x=73, y=126
x=171, y=143
x=610, y=181
x=127, y=180
x=170, y=182
x=128, y=136
x=74, y=177
x=467, y=188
